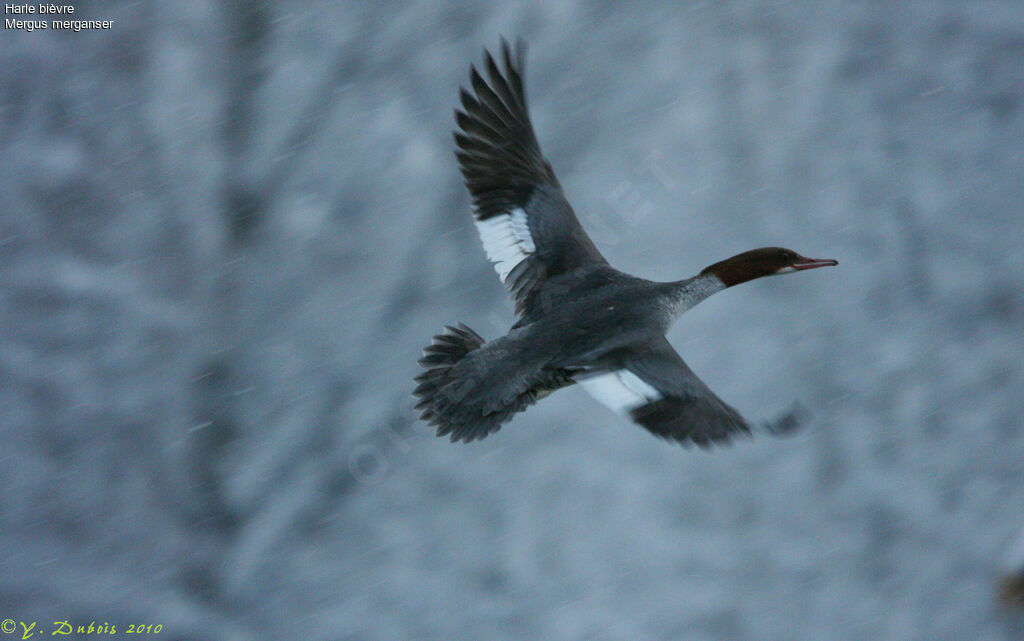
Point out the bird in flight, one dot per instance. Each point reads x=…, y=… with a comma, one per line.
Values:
x=580, y=321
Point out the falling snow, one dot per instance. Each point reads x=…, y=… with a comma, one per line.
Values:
x=229, y=228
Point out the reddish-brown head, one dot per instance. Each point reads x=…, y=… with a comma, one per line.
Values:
x=766, y=261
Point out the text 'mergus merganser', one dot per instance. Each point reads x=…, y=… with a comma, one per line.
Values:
x=579, y=319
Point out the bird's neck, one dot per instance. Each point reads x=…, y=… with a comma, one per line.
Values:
x=688, y=292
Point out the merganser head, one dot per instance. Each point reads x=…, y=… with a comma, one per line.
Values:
x=766, y=261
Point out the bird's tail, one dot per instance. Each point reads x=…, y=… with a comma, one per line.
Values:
x=467, y=398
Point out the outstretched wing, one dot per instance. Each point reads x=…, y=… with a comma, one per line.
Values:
x=652, y=385
x=528, y=228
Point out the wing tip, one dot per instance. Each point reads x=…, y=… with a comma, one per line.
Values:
x=788, y=422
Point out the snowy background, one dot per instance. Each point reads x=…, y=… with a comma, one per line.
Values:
x=227, y=229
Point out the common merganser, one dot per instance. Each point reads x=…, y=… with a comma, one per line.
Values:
x=579, y=319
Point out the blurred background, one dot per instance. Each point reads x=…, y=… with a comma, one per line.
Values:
x=229, y=227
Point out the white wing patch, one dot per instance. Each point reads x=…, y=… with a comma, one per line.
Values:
x=621, y=390
x=506, y=240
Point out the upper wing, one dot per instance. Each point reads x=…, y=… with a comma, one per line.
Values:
x=654, y=387
x=528, y=228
